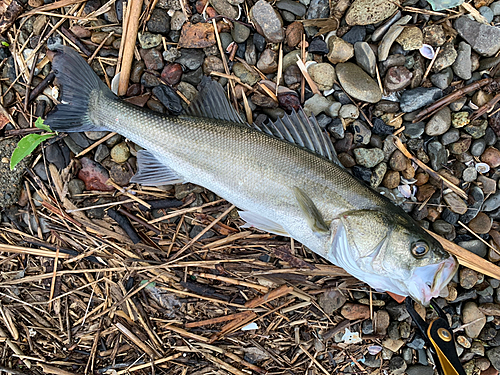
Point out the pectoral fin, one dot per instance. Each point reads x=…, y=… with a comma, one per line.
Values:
x=313, y=216
x=153, y=173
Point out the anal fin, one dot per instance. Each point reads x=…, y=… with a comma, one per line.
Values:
x=254, y=220
x=151, y=172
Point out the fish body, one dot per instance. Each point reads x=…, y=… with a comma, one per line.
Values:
x=289, y=184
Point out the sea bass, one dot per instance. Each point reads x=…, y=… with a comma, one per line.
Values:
x=284, y=177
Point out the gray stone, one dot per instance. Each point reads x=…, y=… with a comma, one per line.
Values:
x=475, y=246
x=365, y=57
x=484, y=39
x=149, y=40
x=414, y=130
x=240, y=32
x=191, y=58
x=411, y=100
x=316, y=104
x=471, y=314
x=357, y=83
x=101, y=153
x=294, y=7
x=495, y=7
x=469, y=174
x=450, y=136
x=478, y=146
x=463, y=64
x=362, y=133
x=439, y=123
x=487, y=13
x=331, y=300
x=368, y=157
x=437, y=154
x=492, y=203
x=442, y=79
x=267, y=21
x=318, y=9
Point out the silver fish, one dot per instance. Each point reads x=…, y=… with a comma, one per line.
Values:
x=284, y=177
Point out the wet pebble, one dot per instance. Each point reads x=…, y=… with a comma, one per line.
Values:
x=357, y=83
x=411, y=100
x=94, y=175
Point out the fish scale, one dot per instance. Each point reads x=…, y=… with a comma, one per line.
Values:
x=280, y=187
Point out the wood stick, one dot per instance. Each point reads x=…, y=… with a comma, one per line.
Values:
x=469, y=259
x=128, y=49
x=273, y=294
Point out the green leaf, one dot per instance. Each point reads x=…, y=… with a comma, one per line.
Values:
x=5, y=44
x=26, y=147
x=41, y=125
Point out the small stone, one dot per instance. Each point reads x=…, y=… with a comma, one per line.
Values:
x=159, y=21
x=349, y=111
x=268, y=61
x=472, y=314
x=461, y=146
x=346, y=160
x=323, y=74
x=197, y=35
x=94, y=175
x=318, y=46
x=120, y=153
x=354, y=311
x=463, y=64
x=494, y=357
x=491, y=156
x=368, y=158
x=316, y=104
x=424, y=192
x=240, y=32
x=293, y=34
x=477, y=148
x=225, y=8
x=362, y=133
x=487, y=13
x=397, y=366
x=393, y=344
x=172, y=74
x=488, y=185
x=477, y=128
x=445, y=58
x=481, y=224
x=169, y=98
x=331, y=300
x=357, y=83
x=469, y=174
x=99, y=37
x=437, y=154
x=442, y=79
x=483, y=39
x=317, y=9
x=191, y=58
x=475, y=246
x=365, y=57
x=149, y=40
x=391, y=179
x=246, y=76
x=411, y=38
x=355, y=34
x=434, y=35
x=459, y=119
x=293, y=7
x=419, y=370
x=369, y=12
x=340, y=50
x=382, y=321
x=397, y=78
x=439, y=123
x=411, y=100
x=120, y=173
x=267, y=21
x=75, y=187
x=398, y=161
x=468, y=278
x=455, y=203
x=80, y=31
x=101, y=153
x=152, y=58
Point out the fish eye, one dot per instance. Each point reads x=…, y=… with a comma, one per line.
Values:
x=419, y=249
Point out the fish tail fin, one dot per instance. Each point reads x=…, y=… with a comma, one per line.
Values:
x=80, y=88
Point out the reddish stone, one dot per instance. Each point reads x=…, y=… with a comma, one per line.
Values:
x=289, y=101
x=293, y=33
x=353, y=311
x=134, y=90
x=172, y=74
x=94, y=175
x=198, y=35
x=491, y=156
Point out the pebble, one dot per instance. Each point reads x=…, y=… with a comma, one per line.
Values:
x=318, y=9
x=362, y=133
x=246, y=76
x=397, y=366
x=159, y=21
x=455, y=203
x=442, y=79
x=191, y=58
x=477, y=128
x=293, y=7
x=483, y=39
x=268, y=62
x=481, y=224
x=389, y=38
x=149, y=40
x=468, y=278
x=267, y=21
x=369, y=12
x=120, y=153
x=478, y=146
x=76, y=187
x=316, y=104
x=398, y=162
x=339, y=50
x=391, y=179
x=293, y=34
x=446, y=57
x=434, y=35
x=355, y=34
x=349, y=111
x=419, y=370
x=411, y=100
x=494, y=357
x=475, y=246
x=354, y=311
x=172, y=74
x=94, y=175
x=411, y=38
x=101, y=153
x=463, y=64
x=365, y=57
x=437, y=155
x=439, y=123
x=323, y=74
x=331, y=300
x=414, y=130
x=152, y=59
x=471, y=313
x=382, y=321
x=491, y=156
x=240, y=32
x=469, y=174
x=357, y=83
x=169, y=98
x=397, y=78
x=368, y=158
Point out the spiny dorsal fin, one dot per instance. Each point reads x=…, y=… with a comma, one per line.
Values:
x=211, y=102
x=302, y=131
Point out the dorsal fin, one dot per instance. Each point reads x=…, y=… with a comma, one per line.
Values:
x=302, y=131
x=211, y=102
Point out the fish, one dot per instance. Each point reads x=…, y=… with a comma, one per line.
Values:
x=283, y=176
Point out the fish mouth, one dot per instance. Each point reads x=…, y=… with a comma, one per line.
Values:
x=440, y=274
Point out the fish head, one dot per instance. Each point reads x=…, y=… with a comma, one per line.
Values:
x=391, y=252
